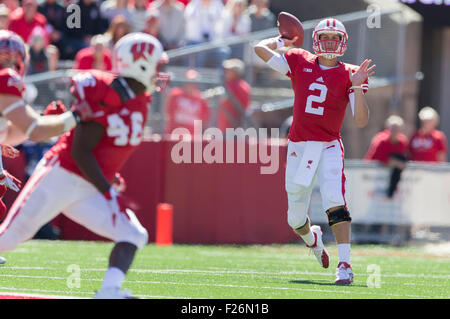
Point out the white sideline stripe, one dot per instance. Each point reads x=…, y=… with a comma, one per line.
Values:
x=231, y=272
x=227, y=285
x=38, y=295
x=26, y=294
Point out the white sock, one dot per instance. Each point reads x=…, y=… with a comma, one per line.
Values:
x=344, y=253
x=114, y=277
x=309, y=238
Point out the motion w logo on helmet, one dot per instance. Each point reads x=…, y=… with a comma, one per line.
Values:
x=138, y=50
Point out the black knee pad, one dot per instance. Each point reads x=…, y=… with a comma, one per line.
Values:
x=338, y=216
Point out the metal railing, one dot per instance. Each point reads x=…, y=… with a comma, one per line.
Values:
x=54, y=85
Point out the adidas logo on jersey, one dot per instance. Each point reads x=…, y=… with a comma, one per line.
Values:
x=307, y=70
x=319, y=80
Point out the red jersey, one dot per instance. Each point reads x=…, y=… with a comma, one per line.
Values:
x=183, y=109
x=84, y=60
x=426, y=147
x=381, y=147
x=242, y=92
x=24, y=28
x=11, y=82
x=122, y=114
x=321, y=97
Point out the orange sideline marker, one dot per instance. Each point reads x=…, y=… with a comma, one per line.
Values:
x=164, y=224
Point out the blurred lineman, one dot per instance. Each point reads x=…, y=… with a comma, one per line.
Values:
x=390, y=147
x=77, y=174
x=323, y=88
x=428, y=144
x=18, y=121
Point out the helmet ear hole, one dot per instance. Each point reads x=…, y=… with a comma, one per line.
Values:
x=143, y=68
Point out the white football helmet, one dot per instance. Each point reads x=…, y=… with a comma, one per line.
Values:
x=139, y=56
x=330, y=48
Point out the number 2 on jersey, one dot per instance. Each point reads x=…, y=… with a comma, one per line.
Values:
x=120, y=130
x=314, y=98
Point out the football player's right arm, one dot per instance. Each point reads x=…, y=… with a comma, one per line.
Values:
x=266, y=51
x=24, y=122
x=86, y=138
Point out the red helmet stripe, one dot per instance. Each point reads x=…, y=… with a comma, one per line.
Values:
x=334, y=23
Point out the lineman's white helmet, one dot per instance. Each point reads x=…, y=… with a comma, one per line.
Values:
x=139, y=56
x=330, y=48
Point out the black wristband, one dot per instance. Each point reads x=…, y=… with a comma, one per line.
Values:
x=77, y=116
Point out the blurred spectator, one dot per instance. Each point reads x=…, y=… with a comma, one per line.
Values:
x=11, y=4
x=37, y=53
x=172, y=24
x=97, y=56
x=24, y=19
x=185, y=105
x=139, y=15
x=55, y=14
x=428, y=144
x=201, y=18
x=202, y=22
x=112, y=8
x=152, y=23
x=4, y=17
x=117, y=29
x=260, y=15
x=390, y=148
x=232, y=110
x=91, y=23
x=235, y=21
x=53, y=57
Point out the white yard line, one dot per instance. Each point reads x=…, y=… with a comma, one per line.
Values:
x=227, y=286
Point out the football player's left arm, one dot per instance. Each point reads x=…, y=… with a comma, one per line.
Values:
x=360, y=108
x=86, y=138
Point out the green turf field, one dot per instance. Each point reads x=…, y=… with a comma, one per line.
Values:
x=188, y=271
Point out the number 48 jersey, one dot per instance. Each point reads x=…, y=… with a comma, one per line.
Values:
x=321, y=96
x=115, y=107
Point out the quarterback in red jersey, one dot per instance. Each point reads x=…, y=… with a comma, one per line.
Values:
x=323, y=87
x=76, y=176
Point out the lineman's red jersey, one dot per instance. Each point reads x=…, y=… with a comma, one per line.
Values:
x=11, y=82
x=122, y=114
x=321, y=97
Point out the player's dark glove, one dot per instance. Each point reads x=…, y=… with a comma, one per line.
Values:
x=82, y=111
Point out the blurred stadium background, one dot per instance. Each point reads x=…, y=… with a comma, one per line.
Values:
x=233, y=203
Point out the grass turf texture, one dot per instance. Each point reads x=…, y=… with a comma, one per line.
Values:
x=193, y=271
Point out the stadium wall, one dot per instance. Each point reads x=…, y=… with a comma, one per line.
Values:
x=235, y=204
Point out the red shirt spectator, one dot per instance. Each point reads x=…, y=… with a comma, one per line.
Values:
x=383, y=146
x=23, y=20
x=185, y=105
x=426, y=147
x=85, y=60
x=428, y=144
x=229, y=114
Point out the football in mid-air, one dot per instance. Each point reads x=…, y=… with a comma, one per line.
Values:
x=290, y=27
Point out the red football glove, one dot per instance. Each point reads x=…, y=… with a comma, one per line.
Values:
x=9, y=151
x=55, y=108
x=10, y=181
